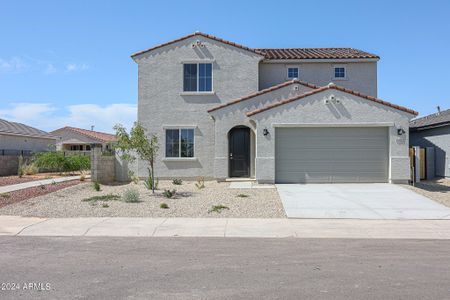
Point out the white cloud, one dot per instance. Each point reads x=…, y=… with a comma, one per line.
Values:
x=12, y=65
x=102, y=117
x=51, y=69
x=72, y=67
x=36, y=113
x=47, y=117
x=18, y=64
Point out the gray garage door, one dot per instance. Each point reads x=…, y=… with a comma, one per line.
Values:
x=331, y=154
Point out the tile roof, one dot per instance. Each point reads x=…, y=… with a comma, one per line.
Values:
x=22, y=129
x=101, y=136
x=315, y=53
x=282, y=53
x=434, y=120
x=327, y=87
x=261, y=92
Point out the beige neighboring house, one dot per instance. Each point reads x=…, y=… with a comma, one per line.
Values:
x=16, y=138
x=80, y=140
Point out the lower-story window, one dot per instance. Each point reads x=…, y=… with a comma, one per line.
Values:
x=180, y=142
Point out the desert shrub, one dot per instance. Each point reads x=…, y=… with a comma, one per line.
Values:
x=93, y=200
x=82, y=177
x=56, y=162
x=177, y=181
x=20, y=169
x=131, y=195
x=134, y=178
x=74, y=163
x=96, y=186
x=218, y=208
x=243, y=196
x=169, y=193
x=50, y=161
x=164, y=206
x=28, y=169
x=149, y=183
x=200, y=184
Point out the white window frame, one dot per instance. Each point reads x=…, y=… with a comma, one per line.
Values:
x=179, y=128
x=291, y=67
x=197, y=92
x=345, y=72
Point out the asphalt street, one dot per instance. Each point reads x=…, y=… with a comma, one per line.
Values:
x=218, y=268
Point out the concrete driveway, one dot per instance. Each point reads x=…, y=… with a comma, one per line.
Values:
x=357, y=201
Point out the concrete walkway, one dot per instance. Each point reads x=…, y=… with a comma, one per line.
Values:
x=25, y=185
x=232, y=227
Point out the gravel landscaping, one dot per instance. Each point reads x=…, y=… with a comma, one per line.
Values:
x=215, y=200
x=437, y=190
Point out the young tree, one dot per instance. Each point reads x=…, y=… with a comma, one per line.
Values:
x=138, y=142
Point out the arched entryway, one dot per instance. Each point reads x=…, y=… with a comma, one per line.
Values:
x=239, y=152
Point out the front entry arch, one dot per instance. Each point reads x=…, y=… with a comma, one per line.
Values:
x=239, y=152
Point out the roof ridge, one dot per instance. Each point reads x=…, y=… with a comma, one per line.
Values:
x=262, y=92
x=323, y=88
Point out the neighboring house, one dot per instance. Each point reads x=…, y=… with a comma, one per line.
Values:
x=434, y=131
x=80, y=140
x=17, y=137
x=223, y=110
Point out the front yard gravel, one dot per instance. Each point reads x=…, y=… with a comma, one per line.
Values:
x=188, y=202
x=438, y=190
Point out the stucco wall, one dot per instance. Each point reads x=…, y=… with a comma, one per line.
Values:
x=439, y=138
x=361, y=77
x=234, y=115
x=163, y=103
x=312, y=111
x=25, y=143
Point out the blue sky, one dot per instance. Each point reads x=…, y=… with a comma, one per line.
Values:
x=68, y=63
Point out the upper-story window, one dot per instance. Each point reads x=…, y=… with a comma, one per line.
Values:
x=197, y=77
x=292, y=73
x=340, y=72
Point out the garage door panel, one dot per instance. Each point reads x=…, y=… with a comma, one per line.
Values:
x=321, y=155
x=331, y=155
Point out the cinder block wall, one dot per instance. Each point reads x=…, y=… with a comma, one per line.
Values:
x=9, y=165
x=102, y=166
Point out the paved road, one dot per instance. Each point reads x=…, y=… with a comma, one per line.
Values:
x=234, y=268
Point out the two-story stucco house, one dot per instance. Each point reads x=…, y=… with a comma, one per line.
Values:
x=223, y=110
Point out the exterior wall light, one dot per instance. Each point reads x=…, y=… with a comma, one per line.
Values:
x=400, y=131
x=265, y=132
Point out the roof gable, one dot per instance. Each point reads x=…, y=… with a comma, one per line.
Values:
x=327, y=87
x=192, y=35
x=262, y=92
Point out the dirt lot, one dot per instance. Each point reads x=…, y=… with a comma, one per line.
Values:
x=215, y=200
x=438, y=190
